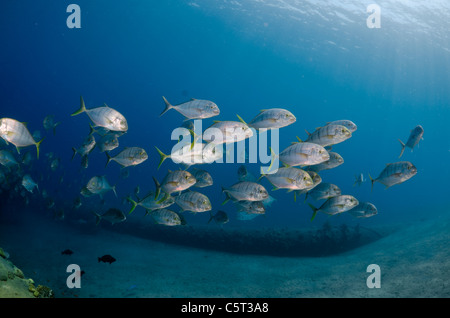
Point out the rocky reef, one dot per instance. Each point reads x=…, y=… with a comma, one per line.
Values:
x=14, y=284
x=324, y=241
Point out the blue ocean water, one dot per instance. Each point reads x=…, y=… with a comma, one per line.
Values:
x=319, y=60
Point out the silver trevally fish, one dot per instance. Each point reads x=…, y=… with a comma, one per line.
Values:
x=346, y=123
x=335, y=205
x=194, y=109
x=245, y=191
x=113, y=215
x=150, y=203
x=413, y=140
x=193, y=201
x=85, y=192
x=363, y=210
x=289, y=178
x=174, y=181
x=49, y=123
x=329, y=135
x=395, y=173
x=302, y=154
x=28, y=183
x=191, y=154
x=334, y=161
x=359, y=179
x=166, y=217
x=7, y=159
x=99, y=185
x=316, y=180
x=130, y=156
x=86, y=147
x=244, y=175
x=251, y=207
x=108, y=142
x=104, y=116
x=227, y=132
x=203, y=178
x=324, y=190
x=272, y=118
x=15, y=132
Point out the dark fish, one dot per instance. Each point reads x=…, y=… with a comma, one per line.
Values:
x=413, y=140
x=220, y=217
x=67, y=252
x=112, y=215
x=106, y=259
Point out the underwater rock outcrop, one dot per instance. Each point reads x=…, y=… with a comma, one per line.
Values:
x=327, y=240
x=14, y=284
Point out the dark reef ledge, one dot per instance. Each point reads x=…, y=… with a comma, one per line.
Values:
x=327, y=240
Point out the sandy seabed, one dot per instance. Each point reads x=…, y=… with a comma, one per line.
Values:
x=414, y=261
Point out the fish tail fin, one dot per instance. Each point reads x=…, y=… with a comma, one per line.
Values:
x=211, y=217
x=91, y=129
x=194, y=137
x=228, y=198
x=82, y=108
x=403, y=148
x=54, y=127
x=166, y=196
x=133, y=204
x=314, y=211
x=274, y=155
x=158, y=188
x=162, y=156
x=97, y=218
x=38, y=145
x=74, y=152
x=260, y=177
x=241, y=120
x=108, y=158
x=168, y=106
x=372, y=181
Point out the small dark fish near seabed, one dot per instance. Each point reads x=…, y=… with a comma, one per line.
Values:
x=106, y=259
x=67, y=252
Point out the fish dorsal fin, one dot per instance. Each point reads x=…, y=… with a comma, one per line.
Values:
x=309, y=134
x=24, y=123
x=262, y=110
x=216, y=121
x=298, y=138
x=170, y=171
x=388, y=164
x=241, y=120
x=104, y=105
x=192, y=99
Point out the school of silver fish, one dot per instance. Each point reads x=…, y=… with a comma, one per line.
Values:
x=302, y=161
